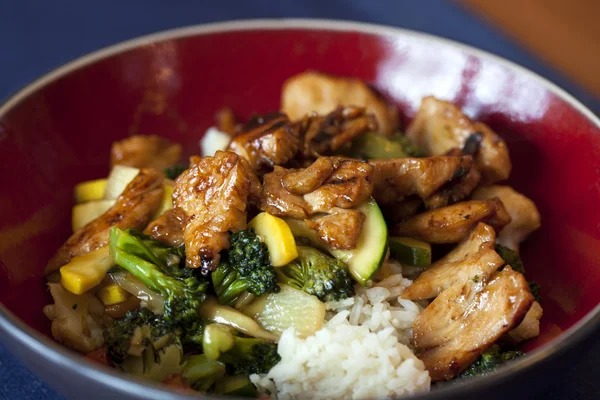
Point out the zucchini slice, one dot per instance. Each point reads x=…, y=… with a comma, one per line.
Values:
x=410, y=251
x=369, y=254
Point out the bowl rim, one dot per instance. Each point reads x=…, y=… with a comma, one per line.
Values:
x=13, y=328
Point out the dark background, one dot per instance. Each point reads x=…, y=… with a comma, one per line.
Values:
x=38, y=36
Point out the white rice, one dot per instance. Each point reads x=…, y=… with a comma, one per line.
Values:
x=362, y=351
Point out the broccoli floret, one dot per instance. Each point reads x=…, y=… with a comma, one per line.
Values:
x=141, y=324
x=511, y=258
x=535, y=290
x=174, y=171
x=157, y=266
x=317, y=274
x=489, y=362
x=241, y=355
x=245, y=266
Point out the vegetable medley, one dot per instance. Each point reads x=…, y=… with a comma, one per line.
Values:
x=188, y=273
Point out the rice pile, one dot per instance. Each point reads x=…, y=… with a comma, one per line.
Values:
x=362, y=351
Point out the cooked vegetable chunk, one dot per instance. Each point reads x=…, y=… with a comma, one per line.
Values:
x=245, y=267
x=276, y=234
x=85, y=272
x=76, y=319
x=490, y=361
x=317, y=274
x=90, y=191
x=157, y=266
x=290, y=307
x=242, y=356
x=410, y=251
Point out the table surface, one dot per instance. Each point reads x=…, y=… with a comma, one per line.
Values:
x=38, y=36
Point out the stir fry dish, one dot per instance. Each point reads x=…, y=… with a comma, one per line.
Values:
x=316, y=252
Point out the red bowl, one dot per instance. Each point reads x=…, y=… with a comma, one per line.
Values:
x=58, y=130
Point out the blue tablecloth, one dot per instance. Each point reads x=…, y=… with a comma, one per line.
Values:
x=37, y=36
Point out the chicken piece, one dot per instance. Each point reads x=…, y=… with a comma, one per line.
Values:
x=340, y=229
x=213, y=195
x=455, y=191
x=453, y=223
x=396, y=179
x=266, y=141
x=277, y=200
x=473, y=259
x=142, y=151
x=525, y=217
x=77, y=320
x=324, y=135
x=350, y=185
x=133, y=209
x=530, y=327
x=316, y=92
x=329, y=182
x=440, y=126
x=226, y=121
x=402, y=210
x=330, y=185
x=466, y=319
x=168, y=227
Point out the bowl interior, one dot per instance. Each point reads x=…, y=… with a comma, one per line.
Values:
x=61, y=134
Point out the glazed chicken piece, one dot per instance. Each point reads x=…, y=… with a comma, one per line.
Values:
x=456, y=190
x=325, y=187
x=316, y=92
x=453, y=223
x=142, y=151
x=402, y=210
x=396, y=179
x=440, y=126
x=213, y=195
x=266, y=141
x=340, y=229
x=525, y=217
x=530, y=327
x=324, y=135
x=466, y=319
x=168, y=228
x=472, y=259
x=133, y=209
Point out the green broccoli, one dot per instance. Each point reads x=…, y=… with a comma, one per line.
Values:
x=489, y=362
x=317, y=274
x=241, y=355
x=513, y=259
x=244, y=267
x=143, y=326
x=174, y=171
x=157, y=266
x=201, y=372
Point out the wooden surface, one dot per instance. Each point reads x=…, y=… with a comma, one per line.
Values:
x=564, y=33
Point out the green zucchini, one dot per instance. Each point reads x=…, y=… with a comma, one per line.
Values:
x=369, y=254
x=410, y=251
